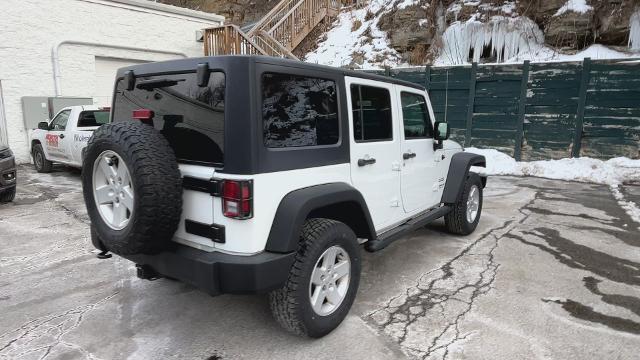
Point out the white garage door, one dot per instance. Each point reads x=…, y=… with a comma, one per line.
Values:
x=106, y=69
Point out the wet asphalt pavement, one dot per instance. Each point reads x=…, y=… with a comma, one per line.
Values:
x=552, y=272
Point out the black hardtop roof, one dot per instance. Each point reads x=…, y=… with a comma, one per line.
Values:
x=191, y=63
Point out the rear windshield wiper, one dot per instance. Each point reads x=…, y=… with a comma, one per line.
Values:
x=157, y=83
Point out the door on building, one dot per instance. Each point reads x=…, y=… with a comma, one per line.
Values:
x=374, y=147
x=106, y=69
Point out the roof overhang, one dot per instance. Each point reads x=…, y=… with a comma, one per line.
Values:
x=151, y=5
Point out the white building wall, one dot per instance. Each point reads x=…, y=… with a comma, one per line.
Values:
x=30, y=28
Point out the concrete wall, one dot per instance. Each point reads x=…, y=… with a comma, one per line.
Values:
x=29, y=29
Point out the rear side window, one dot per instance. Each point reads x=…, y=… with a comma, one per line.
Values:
x=415, y=115
x=371, y=108
x=299, y=111
x=189, y=116
x=93, y=118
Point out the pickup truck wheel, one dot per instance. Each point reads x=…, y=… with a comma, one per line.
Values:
x=42, y=164
x=464, y=217
x=132, y=188
x=323, y=281
x=8, y=195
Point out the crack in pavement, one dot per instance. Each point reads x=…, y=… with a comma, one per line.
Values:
x=49, y=331
x=441, y=298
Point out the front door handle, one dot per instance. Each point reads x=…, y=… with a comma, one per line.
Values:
x=365, y=162
x=408, y=155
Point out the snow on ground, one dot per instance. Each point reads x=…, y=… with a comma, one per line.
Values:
x=613, y=172
x=579, y=6
x=367, y=40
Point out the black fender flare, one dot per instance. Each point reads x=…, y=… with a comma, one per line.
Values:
x=338, y=201
x=458, y=171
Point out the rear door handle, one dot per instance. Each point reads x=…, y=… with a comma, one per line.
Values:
x=365, y=162
x=408, y=155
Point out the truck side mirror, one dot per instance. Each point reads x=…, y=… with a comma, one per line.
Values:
x=43, y=125
x=442, y=131
x=440, y=134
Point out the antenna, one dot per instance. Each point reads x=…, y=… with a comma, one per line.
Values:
x=446, y=96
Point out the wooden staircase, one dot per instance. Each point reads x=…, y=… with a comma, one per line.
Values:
x=276, y=34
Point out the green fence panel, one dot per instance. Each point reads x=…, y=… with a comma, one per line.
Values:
x=557, y=118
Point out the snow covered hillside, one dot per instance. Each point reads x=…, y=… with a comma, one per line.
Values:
x=404, y=32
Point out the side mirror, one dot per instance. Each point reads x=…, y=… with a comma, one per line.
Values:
x=43, y=125
x=442, y=131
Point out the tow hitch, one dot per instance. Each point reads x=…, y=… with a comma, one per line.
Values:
x=146, y=272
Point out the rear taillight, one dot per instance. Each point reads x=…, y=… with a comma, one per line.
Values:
x=143, y=115
x=237, y=199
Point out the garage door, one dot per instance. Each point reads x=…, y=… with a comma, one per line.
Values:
x=106, y=69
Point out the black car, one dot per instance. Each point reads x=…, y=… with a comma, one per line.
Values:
x=7, y=174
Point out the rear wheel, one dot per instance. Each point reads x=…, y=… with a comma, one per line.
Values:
x=8, y=195
x=323, y=281
x=42, y=164
x=464, y=217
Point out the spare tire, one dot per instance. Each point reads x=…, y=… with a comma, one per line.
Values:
x=132, y=188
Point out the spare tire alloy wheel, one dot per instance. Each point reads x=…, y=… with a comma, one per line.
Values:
x=112, y=190
x=132, y=187
x=330, y=281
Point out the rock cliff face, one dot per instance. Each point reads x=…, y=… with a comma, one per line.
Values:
x=416, y=30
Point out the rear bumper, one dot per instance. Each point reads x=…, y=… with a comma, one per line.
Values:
x=218, y=273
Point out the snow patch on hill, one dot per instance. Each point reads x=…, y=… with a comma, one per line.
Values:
x=579, y=6
x=354, y=35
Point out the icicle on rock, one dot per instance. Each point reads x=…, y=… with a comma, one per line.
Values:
x=507, y=37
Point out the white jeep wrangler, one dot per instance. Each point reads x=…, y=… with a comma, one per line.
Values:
x=245, y=174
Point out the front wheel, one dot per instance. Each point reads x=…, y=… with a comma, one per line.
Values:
x=464, y=217
x=42, y=164
x=323, y=281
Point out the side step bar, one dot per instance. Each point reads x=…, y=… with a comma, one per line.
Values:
x=392, y=235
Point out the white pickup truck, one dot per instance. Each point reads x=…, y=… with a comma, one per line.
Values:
x=62, y=139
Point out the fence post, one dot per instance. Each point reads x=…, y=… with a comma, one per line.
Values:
x=387, y=70
x=582, y=100
x=517, y=151
x=427, y=77
x=472, y=98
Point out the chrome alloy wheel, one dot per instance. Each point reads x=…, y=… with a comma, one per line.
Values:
x=113, y=190
x=330, y=281
x=473, y=204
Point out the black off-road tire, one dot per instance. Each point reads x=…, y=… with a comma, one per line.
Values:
x=456, y=220
x=156, y=183
x=43, y=166
x=290, y=305
x=8, y=195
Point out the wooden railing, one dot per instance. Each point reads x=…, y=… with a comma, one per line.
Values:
x=276, y=34
x=229, y=39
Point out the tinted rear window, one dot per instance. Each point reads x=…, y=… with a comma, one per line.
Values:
x=189, y=116
x=299, y=111
x=91, y=118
